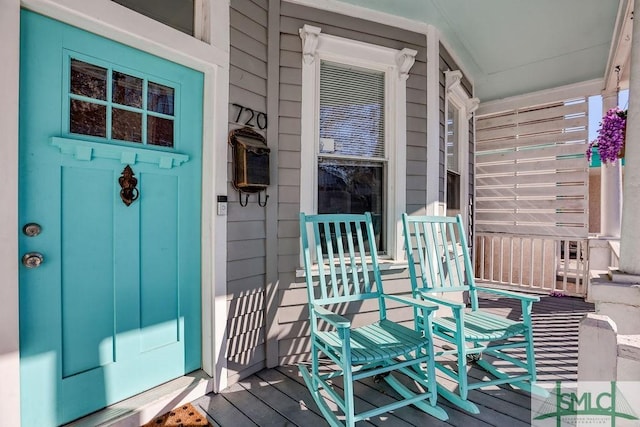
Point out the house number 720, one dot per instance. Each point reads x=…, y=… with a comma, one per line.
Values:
x=256, y=118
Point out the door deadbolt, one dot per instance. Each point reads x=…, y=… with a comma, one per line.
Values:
x=32, y=259
x=32, y=229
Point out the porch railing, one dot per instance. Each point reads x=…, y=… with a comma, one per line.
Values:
x=538, y=264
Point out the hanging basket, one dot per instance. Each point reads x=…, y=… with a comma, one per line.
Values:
x=611, y=136
x=624, y=142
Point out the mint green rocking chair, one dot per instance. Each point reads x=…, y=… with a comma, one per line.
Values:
x=347, y=272
x=439, y=263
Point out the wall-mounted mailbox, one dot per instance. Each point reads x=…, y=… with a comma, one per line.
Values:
x=250, y=162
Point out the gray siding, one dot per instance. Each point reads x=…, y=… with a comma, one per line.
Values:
x=246, y=241
x=446, y=64
x=268, y=314
x=292, y=317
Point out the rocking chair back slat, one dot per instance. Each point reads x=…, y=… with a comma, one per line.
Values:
x=344, y=245
x=442, y=260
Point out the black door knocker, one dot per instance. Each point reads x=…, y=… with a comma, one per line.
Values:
x=128, y=182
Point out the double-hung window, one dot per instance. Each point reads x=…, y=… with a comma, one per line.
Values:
x=351, y=156
x=353, y=131
x=459, y=108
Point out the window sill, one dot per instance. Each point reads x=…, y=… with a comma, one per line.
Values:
x=386, y=265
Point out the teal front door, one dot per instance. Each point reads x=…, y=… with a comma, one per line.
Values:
x=109, y=209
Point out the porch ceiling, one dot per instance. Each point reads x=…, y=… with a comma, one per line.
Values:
x=511, y=47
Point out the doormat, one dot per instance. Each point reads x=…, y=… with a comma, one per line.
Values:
x=182, y=416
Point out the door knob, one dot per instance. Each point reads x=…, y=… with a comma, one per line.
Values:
x=32, y=229
x=32, y=259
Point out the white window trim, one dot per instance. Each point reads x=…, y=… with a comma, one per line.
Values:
x=396, y=65
x=457, y=96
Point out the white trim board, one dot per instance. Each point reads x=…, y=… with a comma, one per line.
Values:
x=9, y=339
x=433, y=122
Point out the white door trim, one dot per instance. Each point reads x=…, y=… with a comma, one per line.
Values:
x=9, y=339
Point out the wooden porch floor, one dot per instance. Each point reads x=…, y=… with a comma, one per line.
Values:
x=278, y=397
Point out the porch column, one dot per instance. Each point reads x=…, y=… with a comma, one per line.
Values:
x=610, y=184
x=630, y=235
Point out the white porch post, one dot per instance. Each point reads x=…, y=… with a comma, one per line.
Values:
x=610, y=184
x=613, y=296
x=630, y=236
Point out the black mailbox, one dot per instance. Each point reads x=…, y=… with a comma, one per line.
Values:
x=250, y=160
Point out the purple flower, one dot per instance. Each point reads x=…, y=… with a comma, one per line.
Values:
x=611, y=135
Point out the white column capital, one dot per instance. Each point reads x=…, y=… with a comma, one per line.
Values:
x=309, y=35
x=405, y=60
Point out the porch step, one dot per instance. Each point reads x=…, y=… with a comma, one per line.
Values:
x=596, y=274
x=142, y=408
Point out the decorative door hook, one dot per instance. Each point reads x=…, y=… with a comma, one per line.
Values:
x=246, y=199
x=266, y=197
x=128, y=183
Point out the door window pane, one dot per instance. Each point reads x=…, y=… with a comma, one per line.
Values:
x=87, y=118
x=122, y=107
x=159, y=131
x=88, y=80
x=127, y=90
x=126, y=125
x=160, y=99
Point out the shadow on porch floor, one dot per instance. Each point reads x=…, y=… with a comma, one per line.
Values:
x=278, y=397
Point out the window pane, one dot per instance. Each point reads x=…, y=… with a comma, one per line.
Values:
x=88, y=80
x=160, y=99
x=159, y=131
x=175, y=13
x=453, y=190
x=126, y=125
x=351, y=110
x=352, y=187
x=452, y=138
x=453, y=193
x=88, y=118
x=127, y=90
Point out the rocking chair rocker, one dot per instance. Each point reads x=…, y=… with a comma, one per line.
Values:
x=437, y=246
x=346, y=272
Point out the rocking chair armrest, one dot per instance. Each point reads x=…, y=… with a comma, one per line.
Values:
x=441, y=301
x=516, y=295
x=337, y=321
x=410, y=300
